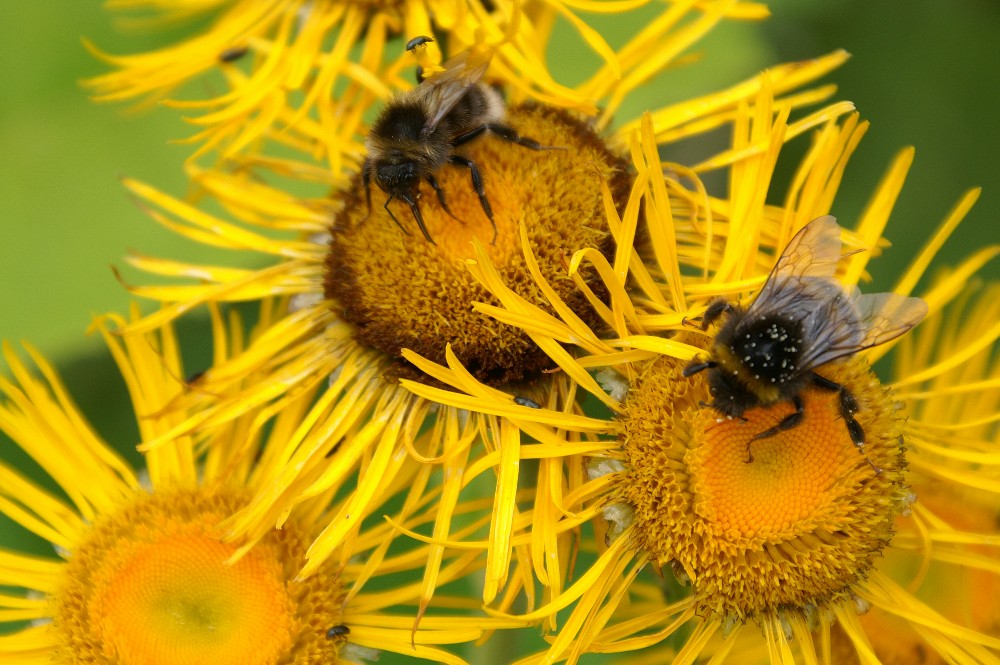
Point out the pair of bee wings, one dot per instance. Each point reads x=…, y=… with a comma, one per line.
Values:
x=836, y=322
x=441, y=91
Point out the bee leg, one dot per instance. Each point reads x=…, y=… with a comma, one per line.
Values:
x=712, y=405
x=420, y=219
x=848, y=407
x=440, y=194
x=793, y=419
x=386, y=206
x=510, y=134
x=470, y=135
x=477, y=184
x=694, y=367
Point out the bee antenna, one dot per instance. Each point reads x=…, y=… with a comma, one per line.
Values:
x=695, y=367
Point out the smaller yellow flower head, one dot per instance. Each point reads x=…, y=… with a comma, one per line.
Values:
x=154, y=584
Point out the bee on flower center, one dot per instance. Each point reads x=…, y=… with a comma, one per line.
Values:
x=802, y=319
x=418, y=132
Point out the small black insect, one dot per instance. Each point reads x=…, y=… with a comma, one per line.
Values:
x=418, y=132
x=526, y=401
x=233, y=53
x=419, y=40
x=340, y=630
x=802, y=319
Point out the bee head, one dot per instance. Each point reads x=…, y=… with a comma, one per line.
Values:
x=397, y=174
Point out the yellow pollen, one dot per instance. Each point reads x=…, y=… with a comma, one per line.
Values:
x=151, y=586
x=402, y=291
x=795, y=528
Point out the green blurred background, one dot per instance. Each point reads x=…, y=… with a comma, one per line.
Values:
x=925, y=73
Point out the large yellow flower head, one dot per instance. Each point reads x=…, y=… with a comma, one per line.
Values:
x=140, y=570
x=779, y=520
x=367, y=282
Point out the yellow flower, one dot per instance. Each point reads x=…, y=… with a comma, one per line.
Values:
x=302, y=73
x=141, y=572
x=364, y=286
x=770, y=544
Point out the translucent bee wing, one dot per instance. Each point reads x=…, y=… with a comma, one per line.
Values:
x=442, y=91
x=813, y=252
x=850, y=323
x=835, y=323
x=886, y=316
x=802, y=277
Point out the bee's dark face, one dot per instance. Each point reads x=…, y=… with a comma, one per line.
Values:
x=396, y=176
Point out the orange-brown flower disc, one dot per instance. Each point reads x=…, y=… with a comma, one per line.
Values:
x=797, y=526
x=401, y=291
x=151, y=586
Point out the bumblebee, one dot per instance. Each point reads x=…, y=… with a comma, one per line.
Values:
x=418, y=131
x=801, y=320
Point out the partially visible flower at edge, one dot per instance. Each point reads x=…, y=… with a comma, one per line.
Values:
x=140, y=571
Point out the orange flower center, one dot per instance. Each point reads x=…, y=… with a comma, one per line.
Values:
x=747, y=498
x=797, y=525
x=153, y=585
x=177, y=602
